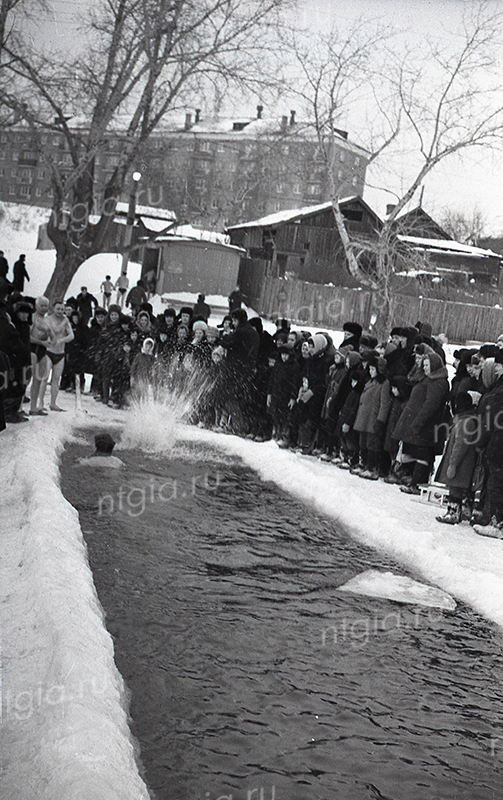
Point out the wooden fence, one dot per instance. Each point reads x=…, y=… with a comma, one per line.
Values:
x=330, y=306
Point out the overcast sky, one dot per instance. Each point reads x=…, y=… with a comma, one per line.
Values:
x=473, y=180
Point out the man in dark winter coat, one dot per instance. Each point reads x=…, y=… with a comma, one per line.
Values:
x=400, y=360
x=136, y=296
x=242, y=344
x=20, y=274
x=85, y=302
x=201, y=309
x=18, y=354
x=352, y=333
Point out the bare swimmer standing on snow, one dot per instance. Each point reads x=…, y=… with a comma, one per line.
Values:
x=40, y=335
x=61, y=333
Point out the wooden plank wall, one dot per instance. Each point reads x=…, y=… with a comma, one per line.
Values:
x=331, y=306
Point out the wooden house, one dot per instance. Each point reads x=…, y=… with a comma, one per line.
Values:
x=303, y=243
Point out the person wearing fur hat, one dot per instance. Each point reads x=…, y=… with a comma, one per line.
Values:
x=371, y=419
x=368, y=343
x=421, y=423
x=399, y=357
x=199, y=345
x=462, y=380
x=351, y=332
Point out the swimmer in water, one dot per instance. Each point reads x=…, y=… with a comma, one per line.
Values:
x=103, y=455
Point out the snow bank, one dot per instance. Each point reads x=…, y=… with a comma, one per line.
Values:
x=65, y=732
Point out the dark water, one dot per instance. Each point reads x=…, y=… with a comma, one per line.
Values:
x=251, y=676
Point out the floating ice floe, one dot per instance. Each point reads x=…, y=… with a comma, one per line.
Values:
x=374, y=583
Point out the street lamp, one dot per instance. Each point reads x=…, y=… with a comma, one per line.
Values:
x=130, y=221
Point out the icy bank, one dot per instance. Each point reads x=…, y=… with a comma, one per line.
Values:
x=64, y=729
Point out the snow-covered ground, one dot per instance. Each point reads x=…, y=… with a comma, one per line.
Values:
x=64, y=704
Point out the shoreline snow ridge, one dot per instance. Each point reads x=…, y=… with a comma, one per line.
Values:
x=65, y=733
x=64, y=702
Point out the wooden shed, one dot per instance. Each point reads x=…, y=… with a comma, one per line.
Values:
x=184, y=264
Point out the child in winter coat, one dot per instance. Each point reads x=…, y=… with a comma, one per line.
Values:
x=458, y=462
x=347, y=415
x=400, y=393
x=282, y=392
x=371, y=418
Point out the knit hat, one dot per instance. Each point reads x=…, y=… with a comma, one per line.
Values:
x=353, y=359
x=498, y=358
x=200, y=325
x=319, y=342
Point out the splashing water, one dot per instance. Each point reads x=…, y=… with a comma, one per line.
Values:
x=157, y=410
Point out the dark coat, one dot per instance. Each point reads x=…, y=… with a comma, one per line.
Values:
x=20, y=275
x=283, y=384
x=242, y=347
x=349, y=410
x=492, y=424
x=424, y=410
x=460, y=452
x=375, y=403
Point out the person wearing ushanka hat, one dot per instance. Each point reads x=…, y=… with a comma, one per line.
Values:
x=351, y=332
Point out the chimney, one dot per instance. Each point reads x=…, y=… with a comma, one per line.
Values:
x=198, y=116
x=259, y=111
x=284, y=123
x=292, y=118
x=390, y=208
x=188, y=121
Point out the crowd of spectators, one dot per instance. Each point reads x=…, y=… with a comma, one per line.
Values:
x=381, y=410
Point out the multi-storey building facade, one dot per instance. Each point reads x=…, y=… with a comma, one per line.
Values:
x=215, y=173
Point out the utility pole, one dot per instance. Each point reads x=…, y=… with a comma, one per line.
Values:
x=130, y=221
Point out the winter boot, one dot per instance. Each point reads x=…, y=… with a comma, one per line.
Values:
x=494, y=529
x=452, y=515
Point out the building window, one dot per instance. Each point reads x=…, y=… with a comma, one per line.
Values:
x=200, y=183
x=297, y=189
x=214, y=202
x=12, y=190
x=277, y=206
x=3, y=138
x=221, y=148
x=286, y=150
x=205, y=147
x=44, y=139
x=13, y=173
x=41, y=174
x=50, y=193
x=341, y=155
x=340, y=175
x=2, y=172
x=357, y=161
x=38, y=191
x=25, y=191
x=279, y=188
x=15, y=156
x=354, y=181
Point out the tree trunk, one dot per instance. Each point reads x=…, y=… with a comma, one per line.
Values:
x=67, y=264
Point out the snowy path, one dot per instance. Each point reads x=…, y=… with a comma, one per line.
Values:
x=63, y=701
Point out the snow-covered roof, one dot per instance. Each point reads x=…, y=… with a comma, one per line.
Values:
x=147, y=211
x=156, y=225
x=177, y=238
x=445, y=245
x=292, y=214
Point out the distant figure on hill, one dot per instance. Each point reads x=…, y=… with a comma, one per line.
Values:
x=106, y=290
x=4, y=266
x=201, y=309
x=235, y=299
x=85, y=302
x=20, y=274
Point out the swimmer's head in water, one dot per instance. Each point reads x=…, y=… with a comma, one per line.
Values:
x=104, y=444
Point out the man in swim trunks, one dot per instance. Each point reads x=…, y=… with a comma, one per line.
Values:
x=61, y=333
x=40, y=335
x=122, y=285
x=106, y=289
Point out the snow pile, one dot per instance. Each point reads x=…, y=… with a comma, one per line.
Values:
x=65, y=733
x=19, y=233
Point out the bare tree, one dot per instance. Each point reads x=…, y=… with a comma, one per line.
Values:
x=468, y=228
x=143, y=59
x=434, y=101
